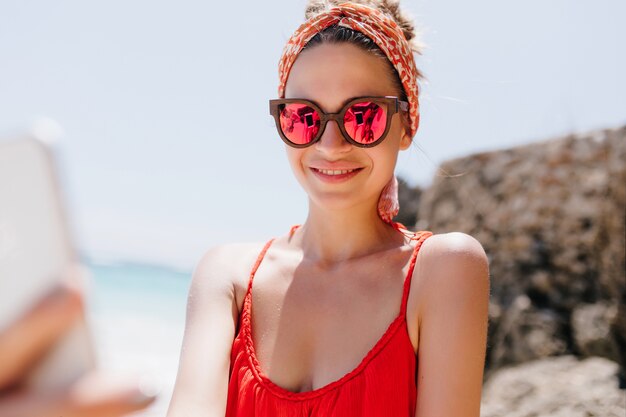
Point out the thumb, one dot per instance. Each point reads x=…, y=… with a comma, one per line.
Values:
x=103, y=395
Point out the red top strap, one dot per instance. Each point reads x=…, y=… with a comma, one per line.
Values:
x=420, y=236
x=258, y=262
x=293, y=229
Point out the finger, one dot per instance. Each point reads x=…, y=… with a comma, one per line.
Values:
x=100, y=395
x=76, y=276
x=22, y=403
x=27, y=340
x=93, y=396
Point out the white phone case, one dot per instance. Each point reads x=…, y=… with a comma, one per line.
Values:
x=35, y=247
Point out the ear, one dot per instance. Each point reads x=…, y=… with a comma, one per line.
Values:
x=405, y=140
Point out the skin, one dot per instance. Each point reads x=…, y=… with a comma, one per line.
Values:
x=324, y=297
x=22, y=343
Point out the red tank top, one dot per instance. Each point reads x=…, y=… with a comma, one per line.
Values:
x=383, y=384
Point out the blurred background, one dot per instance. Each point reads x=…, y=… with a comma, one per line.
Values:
x=168, y=147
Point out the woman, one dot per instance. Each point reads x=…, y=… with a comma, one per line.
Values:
x=342, y=309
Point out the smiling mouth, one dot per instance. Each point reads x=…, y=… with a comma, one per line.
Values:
x=335, y=171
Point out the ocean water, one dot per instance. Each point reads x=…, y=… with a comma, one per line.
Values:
x=137, y=318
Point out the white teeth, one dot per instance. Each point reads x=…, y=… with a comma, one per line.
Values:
x=335, y=172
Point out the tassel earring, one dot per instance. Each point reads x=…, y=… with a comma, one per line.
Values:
x=388, y=204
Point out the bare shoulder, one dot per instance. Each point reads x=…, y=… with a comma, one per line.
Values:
x=459, y=248
x=453, y=260
x=453, y=321
x=213, y=305
x=225, y=266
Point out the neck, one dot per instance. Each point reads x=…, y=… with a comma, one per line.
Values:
x=329, y=237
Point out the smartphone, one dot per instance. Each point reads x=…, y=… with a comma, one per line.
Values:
x=35, y=247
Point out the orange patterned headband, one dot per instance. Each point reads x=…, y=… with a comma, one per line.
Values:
x=376, y=25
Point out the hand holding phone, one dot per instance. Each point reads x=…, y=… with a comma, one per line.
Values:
x=25, y=341
x=47, y=360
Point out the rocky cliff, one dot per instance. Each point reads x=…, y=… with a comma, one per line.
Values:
x=551, y=216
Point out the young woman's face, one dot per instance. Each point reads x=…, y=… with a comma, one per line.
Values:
x=329, y=75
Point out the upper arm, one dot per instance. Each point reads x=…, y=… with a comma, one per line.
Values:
x=202, y=381
x=453, y=326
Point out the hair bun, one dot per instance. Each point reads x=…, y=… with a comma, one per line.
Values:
x=389, y=7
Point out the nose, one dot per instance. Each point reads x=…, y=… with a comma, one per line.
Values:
x=332, y=141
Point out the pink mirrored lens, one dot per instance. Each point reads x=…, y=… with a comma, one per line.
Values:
x=299, y=122
x=365, y=122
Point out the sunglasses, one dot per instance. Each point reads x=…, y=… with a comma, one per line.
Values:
x=363, y=121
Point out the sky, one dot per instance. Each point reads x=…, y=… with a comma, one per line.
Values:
x=168, y=147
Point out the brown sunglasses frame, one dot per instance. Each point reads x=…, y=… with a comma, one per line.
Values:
x=393, y=103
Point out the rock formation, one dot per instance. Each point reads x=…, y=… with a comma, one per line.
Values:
x=563, y=386
x=551, y=216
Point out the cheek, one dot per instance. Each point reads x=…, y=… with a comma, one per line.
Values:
x=384, y=161
x=387, y=152
x=295, y=158
x=384, y=158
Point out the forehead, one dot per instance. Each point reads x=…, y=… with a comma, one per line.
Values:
x=329, y=74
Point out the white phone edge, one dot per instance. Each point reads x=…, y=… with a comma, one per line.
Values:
x=73, y=355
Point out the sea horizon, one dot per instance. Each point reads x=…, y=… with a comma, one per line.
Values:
x=136, y=315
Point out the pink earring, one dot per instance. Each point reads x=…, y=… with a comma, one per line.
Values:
x=388, y=204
